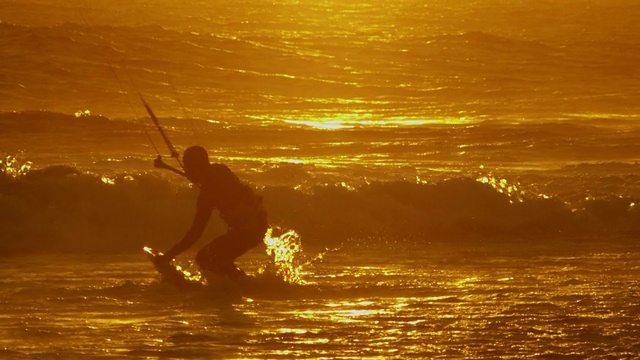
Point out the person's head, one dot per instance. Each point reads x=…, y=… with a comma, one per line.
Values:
x=196, y=161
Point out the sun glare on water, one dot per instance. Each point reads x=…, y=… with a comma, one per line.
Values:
x=350, y=121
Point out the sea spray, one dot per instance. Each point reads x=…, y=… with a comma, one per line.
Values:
x=284, y=250
x=284, y=263
x=14, y=167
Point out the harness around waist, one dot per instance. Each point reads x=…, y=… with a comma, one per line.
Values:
x=245, y=215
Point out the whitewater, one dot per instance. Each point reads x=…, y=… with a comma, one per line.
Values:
x=462, y=181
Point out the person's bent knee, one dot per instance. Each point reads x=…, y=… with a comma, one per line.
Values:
x=203, y=260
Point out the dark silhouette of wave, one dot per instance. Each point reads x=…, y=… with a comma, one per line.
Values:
x=41, y=121
x=61, y=208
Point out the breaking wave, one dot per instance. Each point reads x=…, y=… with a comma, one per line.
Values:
x=64, y=209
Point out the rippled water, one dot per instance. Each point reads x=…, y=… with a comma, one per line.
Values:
x=408, y=304
x=338, y=63
x=364, y=123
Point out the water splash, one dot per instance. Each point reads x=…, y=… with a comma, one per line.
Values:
x=174, y=273
x=13, y=167
x=504, y=187
x=82, y=113
x=514, y=191
x=285, y=250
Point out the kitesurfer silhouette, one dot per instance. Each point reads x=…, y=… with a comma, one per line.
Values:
x=238, y=205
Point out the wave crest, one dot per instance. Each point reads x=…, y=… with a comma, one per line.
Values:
x=64, y=209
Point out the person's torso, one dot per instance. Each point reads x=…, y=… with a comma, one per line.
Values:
x=222, y=190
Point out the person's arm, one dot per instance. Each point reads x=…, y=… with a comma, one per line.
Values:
x=162, y=165
x=195, y=231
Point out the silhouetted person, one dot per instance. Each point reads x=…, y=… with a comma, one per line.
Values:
x=238, y=205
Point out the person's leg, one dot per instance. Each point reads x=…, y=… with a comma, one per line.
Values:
x=219, y=255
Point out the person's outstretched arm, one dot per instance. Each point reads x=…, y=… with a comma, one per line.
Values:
x=195, y=231
x=162, y=165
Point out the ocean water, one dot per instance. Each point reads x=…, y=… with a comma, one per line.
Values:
x=369, y=304
x=340, y=62
x=462, y=178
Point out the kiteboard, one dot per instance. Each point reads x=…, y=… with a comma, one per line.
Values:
x=221, y=287
x=172, y=274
